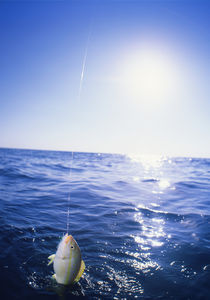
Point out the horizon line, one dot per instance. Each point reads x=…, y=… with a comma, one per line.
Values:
x=112, y=153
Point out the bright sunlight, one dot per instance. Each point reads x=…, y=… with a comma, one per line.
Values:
x=150, y=77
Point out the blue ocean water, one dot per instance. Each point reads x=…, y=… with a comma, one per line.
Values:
x=142, y=224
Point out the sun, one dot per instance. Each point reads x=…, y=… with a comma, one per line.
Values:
x=149, y=76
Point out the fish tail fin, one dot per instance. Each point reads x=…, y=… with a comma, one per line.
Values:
x=81, y=270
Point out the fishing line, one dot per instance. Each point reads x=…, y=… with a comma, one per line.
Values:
x=69, y=195
x=79, y=97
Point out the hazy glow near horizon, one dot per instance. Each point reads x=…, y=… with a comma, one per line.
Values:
x=106, y=76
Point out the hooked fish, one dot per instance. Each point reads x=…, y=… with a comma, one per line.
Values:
x=67, y=262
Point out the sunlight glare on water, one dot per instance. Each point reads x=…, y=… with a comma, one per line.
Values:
x=151, y=230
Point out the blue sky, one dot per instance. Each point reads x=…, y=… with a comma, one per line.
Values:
x=145, y=85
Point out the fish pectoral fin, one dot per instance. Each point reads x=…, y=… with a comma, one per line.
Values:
x=81, y=270
x=51, y=258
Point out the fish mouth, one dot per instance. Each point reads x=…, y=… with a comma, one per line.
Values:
x=68, y=238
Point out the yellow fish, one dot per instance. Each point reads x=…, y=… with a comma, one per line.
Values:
x=67, y=262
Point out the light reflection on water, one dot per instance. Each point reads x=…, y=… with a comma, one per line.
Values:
x=150, y=235
x=148, y=161
x=152, y=215
x=152, y=170
x=123, y=282
x=151, y=230
x=151, y=211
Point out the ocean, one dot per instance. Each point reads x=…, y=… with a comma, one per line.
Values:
x=142, y=224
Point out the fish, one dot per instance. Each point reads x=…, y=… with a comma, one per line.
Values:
x=67, y=261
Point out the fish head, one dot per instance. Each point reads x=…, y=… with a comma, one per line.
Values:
x=68, y=247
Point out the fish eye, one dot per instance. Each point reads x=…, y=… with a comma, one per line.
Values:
x=72, y=247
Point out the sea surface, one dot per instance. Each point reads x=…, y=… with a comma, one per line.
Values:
x=142, y=224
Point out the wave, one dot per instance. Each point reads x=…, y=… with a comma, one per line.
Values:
x=142, y=226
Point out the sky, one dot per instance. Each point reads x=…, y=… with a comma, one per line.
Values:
x=106, y=76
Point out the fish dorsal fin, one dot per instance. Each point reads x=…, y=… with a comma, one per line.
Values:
x=81, y=270
x=51, y=258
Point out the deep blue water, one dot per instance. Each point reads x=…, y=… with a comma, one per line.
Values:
x=142, y=224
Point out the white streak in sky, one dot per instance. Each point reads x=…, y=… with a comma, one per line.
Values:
x=83, y=66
